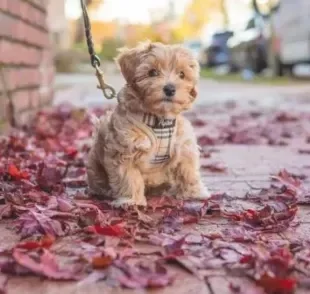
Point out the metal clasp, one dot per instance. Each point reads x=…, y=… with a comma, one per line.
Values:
x=107, y=90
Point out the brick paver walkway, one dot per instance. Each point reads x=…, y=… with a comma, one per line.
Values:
x=248, y=167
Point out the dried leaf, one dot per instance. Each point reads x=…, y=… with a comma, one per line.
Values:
x=101, y=262
x=45, y=264
x=16, y=174
x=111, y=230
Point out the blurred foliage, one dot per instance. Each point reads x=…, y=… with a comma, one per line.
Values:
x=198, y=14
x=189, y=25
x=109, y=48
x=68, y=60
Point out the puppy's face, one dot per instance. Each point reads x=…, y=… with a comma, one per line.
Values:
x=164, y=77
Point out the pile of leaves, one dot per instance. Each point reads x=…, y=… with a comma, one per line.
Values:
x=65, y=235
x=231, y=123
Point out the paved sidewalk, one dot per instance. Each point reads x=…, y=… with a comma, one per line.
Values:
x=248, y=168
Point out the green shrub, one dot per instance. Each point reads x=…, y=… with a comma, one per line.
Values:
x=109, y=48
x=68, y=60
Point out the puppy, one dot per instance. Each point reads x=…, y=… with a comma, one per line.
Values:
x=145, y=146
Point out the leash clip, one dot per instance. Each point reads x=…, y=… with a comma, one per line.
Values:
x=107, y=90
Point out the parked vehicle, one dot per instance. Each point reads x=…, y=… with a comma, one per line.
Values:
x=287, y=32
x=217, y=52
x=248, y=47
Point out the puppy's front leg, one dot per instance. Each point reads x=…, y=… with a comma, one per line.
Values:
x=126, y=183
x=188, y=183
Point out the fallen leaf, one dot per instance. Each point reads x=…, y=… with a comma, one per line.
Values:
x=110, y=230
x=45, y=264
x=45, y=242
x=215, y=167
x=16, y=174
x=102, y=262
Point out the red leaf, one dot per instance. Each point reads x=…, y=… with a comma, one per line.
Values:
x=189, y=219
x=115, y=230
x=287, y=179
x=246, y=259
x=15, y=173
x=6, y=210
x=304, y=151
x=71, y=152
x=29, y=245
x=45, y=264
x=277, y=285
x=101, y=262
x=198, y=123
x=141, y=275
x=216, y=167
x=45, y=242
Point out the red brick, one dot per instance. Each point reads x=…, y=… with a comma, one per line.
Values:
x=4, y=5
x=24, y=118
x=26, y=55
x=25, y=52
x=24, y=78
x=46, y=98
x=35, y=99
x=21, y=101
x=3, y=106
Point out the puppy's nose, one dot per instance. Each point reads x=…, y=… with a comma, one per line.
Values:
x=169, y=90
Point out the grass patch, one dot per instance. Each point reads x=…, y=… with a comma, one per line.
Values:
x=259, y=79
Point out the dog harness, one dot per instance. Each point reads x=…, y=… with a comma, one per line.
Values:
x=161, y=134
x=163, y=130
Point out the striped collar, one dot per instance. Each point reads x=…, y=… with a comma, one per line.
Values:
x=155, y=122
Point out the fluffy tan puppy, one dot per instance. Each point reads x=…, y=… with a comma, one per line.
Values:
x=145, y=146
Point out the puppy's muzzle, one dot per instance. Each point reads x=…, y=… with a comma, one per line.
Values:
x=169, y=90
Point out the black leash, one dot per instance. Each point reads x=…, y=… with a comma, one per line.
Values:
x=107, y=90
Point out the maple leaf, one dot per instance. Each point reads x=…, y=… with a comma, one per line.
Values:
x=101, y=262
x=141, y=275
x=109, y=230
x=37, y=223
x=45, y=264
x=216, y=167
x=45, y=242
x=71, y=152
x=17, y=174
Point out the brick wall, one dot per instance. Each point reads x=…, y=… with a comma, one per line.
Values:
x=26, y=67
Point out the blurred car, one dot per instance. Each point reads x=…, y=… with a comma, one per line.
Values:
x=217, y=52
x=286, y=31
x=248, y=47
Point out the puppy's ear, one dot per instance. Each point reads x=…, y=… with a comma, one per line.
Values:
x=194, y=92
x=129, y=59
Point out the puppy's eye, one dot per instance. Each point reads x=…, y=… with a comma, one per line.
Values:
x=153, y=72
x=182, y=75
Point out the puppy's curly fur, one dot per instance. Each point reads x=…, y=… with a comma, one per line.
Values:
x=120, y=161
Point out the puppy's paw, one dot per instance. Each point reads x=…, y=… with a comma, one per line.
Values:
x=125, y=202
x=122, y=202
x=204, y=193
x=199, y=194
